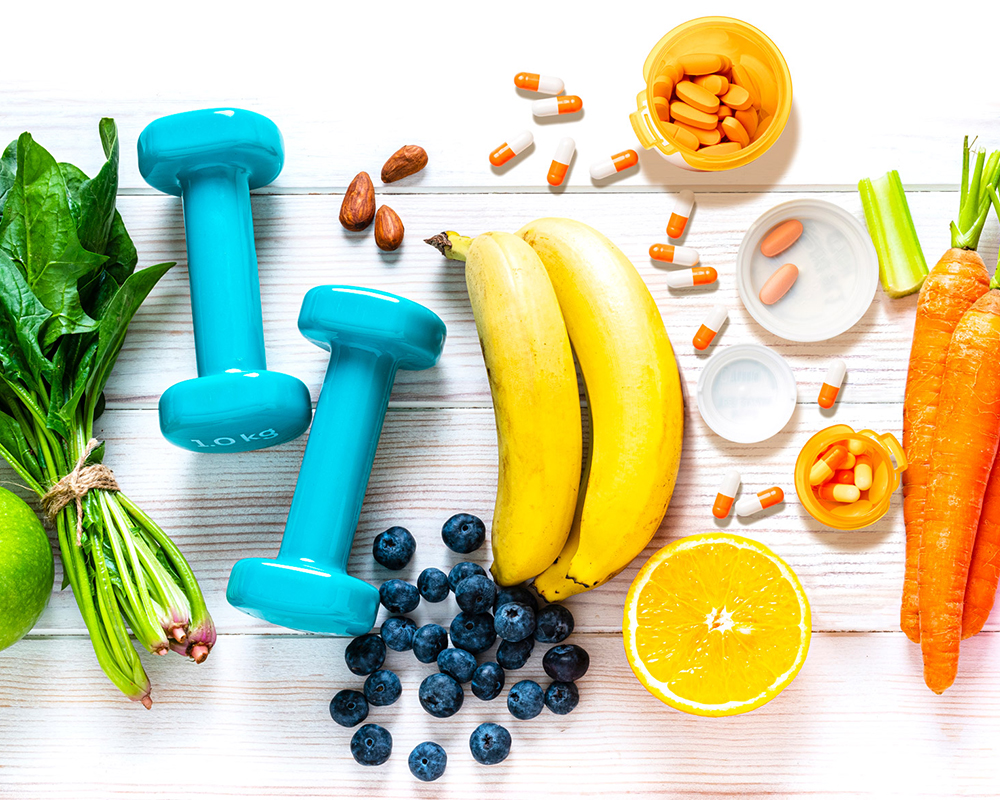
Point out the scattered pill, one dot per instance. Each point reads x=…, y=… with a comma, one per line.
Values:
x=681, y=136
x=619, y=162
x=748, y=119
x=681, y=111
x=721, y=149
x=727, y=493
x=510, y=148
x=863, y=474
x=827, y=464
x=856, y=446
x=543, y=84
x=839, y=492
x=703, y=63
x=754, y=504
x=831, y=383
x=781, y=237
x=560, y=161
x=737, y=98
x=552, y=106
x=674, y=254
x=735, y=131
x=679, y=216
x=778, y=284
x=716, y=84
x=711, y=326
x=686, y=278
x=697, y=96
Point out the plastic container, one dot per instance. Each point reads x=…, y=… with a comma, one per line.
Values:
x=744, y=45
x=746, y=393
x=888, y=461
x=838, y=272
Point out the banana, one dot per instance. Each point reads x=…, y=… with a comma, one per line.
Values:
x=634, y=399
x=536, y=399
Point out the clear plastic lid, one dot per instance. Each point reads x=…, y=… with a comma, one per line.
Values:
x=746, y=393
x=838, y=272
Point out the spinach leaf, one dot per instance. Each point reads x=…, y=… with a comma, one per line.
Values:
x=93, y=200
x=72, y=362
x=13, y=441
x=8, y=170
x=23, y=316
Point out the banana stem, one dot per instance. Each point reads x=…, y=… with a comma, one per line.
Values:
x=451, y=245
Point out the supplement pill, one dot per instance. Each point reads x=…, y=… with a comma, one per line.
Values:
x=827, y=464
x=619, y=162
x=748, y=119
x=781, y=237
x=857, y=446
x=704, y=63
x=697, y=97
x=754, y=504
x=778, y=284
x=560, y=161
x=543, y=84
x=863, y=474
x=711, y=326
x=510, y=148
x=839, y=492
x=681, y=136
x=831, y=383
x=679, y=216
x=721, y=149
x=727, y=492
x=716, y=84
x=735, y=131
x=692, y=116
x=686, y=278
x=674, y=254
x=553, y=106
x=737, y=98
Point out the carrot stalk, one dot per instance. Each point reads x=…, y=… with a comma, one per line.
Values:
x=965, y=446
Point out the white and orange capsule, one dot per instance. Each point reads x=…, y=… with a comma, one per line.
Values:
x=560, y=161
x=685, y=278
x=619, y=162
x=713, y=322
x=756, y=503
x=679, y=217
x=671, y=254
x=510, y=148
x=727, y=493
x=839, y=492
x=831, y=383
x=543, y=84
x=553, y=106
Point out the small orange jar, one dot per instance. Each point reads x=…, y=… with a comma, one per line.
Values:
x=882, y=449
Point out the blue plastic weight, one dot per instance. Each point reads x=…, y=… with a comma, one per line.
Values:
x=212, y=159
x=370, y=335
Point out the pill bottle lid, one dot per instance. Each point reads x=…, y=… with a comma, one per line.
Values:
x=746, y=393
x=838, y=272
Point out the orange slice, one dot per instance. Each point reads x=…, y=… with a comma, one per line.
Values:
x=716, y=624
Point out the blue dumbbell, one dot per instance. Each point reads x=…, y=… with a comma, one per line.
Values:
x=370, y=335
x=212, y=159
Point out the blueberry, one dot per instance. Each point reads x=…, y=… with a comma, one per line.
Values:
x=561, y=697
x=514, y=655
x=487, y=680
x=433, y=585
x=463, y=570
x=553, y=624
x=566, y=662
x=460, y=664
x=394, y=548
x=515, y=594
x=464, y=533
x=365, y=654
x=399, y=596
x=441, y=695
x=371, y=745
x=476, y=594
x=428, y=641
x=397, y=633
x=473, y=632
x=382, y=688
x=348, y=708
x=515, y=622
x=525, y=700
x=490, y=743
x=427, y=761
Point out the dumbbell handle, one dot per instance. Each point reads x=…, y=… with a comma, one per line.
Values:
x=222, y=264
x=338, y=458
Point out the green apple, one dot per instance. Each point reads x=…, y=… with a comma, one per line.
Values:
x=26, y=568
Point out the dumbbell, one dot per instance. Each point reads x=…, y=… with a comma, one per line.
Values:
x=370, y=335
x=212, y=159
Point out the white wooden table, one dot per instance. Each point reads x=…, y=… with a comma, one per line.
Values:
x=875, y=88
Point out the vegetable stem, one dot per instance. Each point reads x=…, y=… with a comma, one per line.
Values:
x=901, y=263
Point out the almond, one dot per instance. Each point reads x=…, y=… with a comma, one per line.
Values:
x=388, y=229
x=407, y=160
x=358, y=208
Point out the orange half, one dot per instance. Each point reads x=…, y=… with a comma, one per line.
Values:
x=716, y=624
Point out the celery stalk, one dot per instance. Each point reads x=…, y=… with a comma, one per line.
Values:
x=901, y=264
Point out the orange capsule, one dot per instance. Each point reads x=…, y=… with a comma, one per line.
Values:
x=711, y=326
x=686, y=278
x=831, y=384
x=827, y=464
x=754, y=504
x=560, y=161
x=674, y=254
x=543, y=84
x=843, y=476
x=727, y=493
x=553, y=106
x=619, y=162
x=511, y=148
x=679, y=217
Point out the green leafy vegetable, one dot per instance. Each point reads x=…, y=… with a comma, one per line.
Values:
x=68, y=291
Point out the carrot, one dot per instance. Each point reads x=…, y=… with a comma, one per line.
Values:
x=984, y=571
x=955, y=283
x=967, y=430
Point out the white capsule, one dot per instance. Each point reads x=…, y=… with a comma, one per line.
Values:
x=551, y=106
x=564, y=150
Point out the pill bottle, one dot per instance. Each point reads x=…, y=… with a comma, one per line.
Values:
x=744, y=45
x=887, y=460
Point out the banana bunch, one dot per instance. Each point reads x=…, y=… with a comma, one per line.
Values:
x=572, y=526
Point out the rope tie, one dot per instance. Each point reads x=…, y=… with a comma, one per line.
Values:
x=72, y=487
